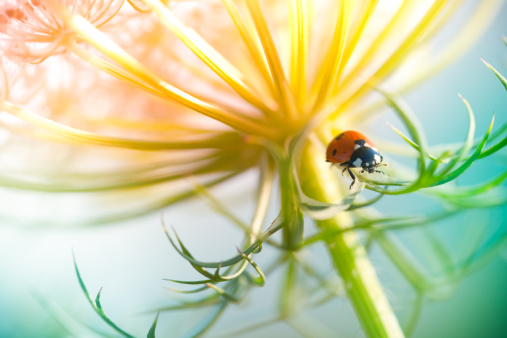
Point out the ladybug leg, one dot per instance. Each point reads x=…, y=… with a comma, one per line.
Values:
x=352, y=176
x=347, y=166
x=343, y=165
x=380, y=172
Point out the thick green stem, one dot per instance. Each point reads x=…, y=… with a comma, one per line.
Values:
x=293, y=217
x=348, y=254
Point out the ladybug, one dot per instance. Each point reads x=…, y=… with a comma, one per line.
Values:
x=353, y=150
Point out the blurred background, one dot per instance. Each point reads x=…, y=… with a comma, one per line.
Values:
x=39, y=289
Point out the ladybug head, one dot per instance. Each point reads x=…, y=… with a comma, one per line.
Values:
x=373, y=161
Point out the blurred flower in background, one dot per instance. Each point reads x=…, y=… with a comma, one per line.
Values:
x=112, y=110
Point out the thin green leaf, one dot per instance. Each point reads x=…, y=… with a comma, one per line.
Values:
x=223, y=293
x=262, y=278
x=275, y=227
x=389, y=223
x=103, y=315
x=223, y=278
x=383, y=224
x=97, y=300
x=365, y=204
x=497, y=73
x=183, y=247
x=452, y=148
x=494, y=135
x=451, y=176
x=197, y=267
x=382, y=180
x=216, y=277
x=493, y=149
x=432, y=167
x=411, y=122
x=81, y=283
x=482, y=201
x=189, y=282
x=410, y=142
x=204, y=288
x=96, y=305
x=151, y=333
x=474, y=190
x=467, y=145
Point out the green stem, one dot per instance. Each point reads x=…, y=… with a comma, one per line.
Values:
x=349, y=256
x=293, y=217
x=289, y=296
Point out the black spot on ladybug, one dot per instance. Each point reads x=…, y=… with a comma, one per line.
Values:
x=334, y=152
x=339, y=137
x=360, y=142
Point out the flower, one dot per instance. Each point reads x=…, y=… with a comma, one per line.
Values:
x=129, y=99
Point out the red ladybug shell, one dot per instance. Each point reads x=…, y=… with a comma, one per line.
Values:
x=340, y=149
